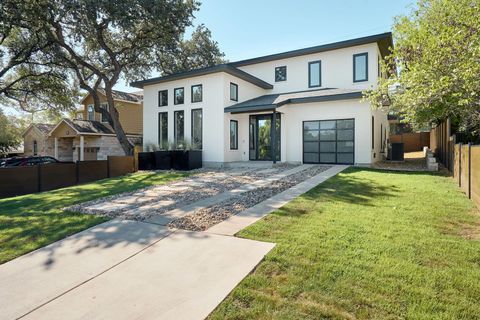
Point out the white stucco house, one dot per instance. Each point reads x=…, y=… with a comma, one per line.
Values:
x=314, y=95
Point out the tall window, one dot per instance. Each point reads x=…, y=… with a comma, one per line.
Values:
x=360, y=67
x=178, y=96
x=233, y=135
x=314, y=74
x=163, y=98
x=280, y=73
x=104, y=106
x=233, y=91
x=373, y=133
x=163, y=130
x=90, y=112
x=197, y=129
x=35, y=147
x=179, y=121
x=197, y=93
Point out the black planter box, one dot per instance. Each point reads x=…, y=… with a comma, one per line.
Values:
x=163, y=160
x=146, y=161
x=186, y=160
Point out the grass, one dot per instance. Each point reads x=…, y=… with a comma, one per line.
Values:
x=32, y=221
x=366, y=245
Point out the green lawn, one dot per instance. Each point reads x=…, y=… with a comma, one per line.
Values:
x=32, y=221
x=366, y=245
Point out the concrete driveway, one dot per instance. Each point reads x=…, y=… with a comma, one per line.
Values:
x=127, y=270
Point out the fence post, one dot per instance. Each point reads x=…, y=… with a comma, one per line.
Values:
x=39, y=178
x=469, y=170
x=76, y=172
x=108, y=166
x=460, y=164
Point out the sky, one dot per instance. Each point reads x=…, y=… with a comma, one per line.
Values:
x=252, y=28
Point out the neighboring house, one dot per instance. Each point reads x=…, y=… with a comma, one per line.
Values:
x=36, y=141
x=314, y=95
x=89, y=136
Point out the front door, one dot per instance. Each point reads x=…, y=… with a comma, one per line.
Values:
x=261, y=137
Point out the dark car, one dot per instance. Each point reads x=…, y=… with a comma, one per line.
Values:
x=26, y=161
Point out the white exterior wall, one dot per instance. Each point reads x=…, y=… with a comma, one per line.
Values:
x=337, y=70
x=212, y=112
x=295, y=114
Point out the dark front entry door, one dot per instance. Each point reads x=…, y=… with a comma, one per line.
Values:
x=261, y=137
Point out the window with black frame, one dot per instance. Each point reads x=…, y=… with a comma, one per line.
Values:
x=163, y=98
x=281, y=73
x=104, y=106
x=314, y=74
x=233, y=135
x=179, y=120
x=197, y=93
x=178, y=96
x=360, y=67
x=163, y=130
x=197, y=142
x=233, y=91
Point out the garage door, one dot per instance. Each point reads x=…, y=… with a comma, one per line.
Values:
x=329, y=141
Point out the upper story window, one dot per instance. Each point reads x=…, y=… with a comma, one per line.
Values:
x=314, y=74
x=281, y=73
x=178, y=96
x=360, y=67
x=163, y=98
x=90, y=112
x=104, y=106
x=233, y=91
x=197, y=93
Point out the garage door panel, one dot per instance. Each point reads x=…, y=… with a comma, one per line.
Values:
x=344, y=157
x=329, y=141
x=345, y=135
x=345, y=146
x=327, y=158
x=311, y=157
x=311, y=147
x=327, y=146
x=310, y=135
x=327, y=135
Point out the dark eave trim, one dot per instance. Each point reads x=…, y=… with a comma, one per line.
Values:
x=266, y=107
x=384, y=41
x=204, y=71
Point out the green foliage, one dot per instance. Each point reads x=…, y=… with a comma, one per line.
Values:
x=10, y=134
x=437, y=53
x=366, y=244
x=32, y=221
x=197, y=52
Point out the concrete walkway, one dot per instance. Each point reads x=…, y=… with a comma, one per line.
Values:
x=138, y=270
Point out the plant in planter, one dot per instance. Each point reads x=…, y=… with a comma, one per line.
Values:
x=163, y=156
x=186, y=157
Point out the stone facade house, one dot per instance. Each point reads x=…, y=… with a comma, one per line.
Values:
x=88, y=136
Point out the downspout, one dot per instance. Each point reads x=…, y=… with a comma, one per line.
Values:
x=273, y=129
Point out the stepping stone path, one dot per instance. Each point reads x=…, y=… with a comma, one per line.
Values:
x=203, y=199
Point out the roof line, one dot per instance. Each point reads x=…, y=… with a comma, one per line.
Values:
x=333, y=97
x=227, y=68
x=387, y=36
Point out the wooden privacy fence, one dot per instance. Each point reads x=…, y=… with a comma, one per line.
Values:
x=466, y=170
x=23, y=180
x=414, y=141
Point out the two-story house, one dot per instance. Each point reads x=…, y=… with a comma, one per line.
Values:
x=88, y=136
x=313, y=95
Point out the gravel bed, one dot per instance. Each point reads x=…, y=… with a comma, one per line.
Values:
x=204, y=183
x=204, y=218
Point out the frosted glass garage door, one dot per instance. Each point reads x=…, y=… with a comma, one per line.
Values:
x=329, y=141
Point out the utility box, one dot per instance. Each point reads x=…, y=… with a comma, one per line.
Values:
x=395, y=152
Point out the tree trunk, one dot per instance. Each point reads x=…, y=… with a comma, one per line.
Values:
x=127, y=146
